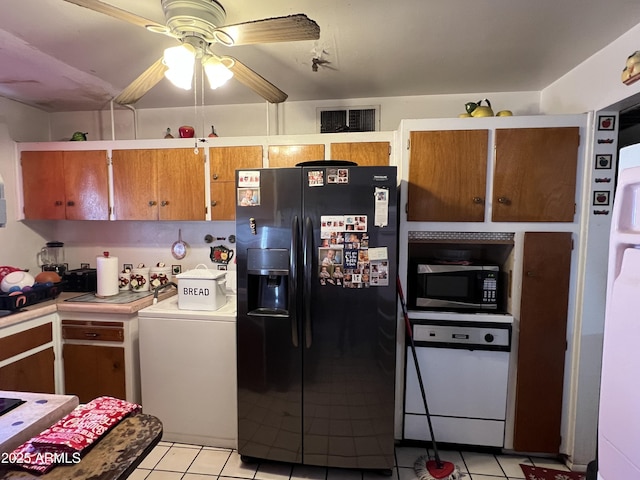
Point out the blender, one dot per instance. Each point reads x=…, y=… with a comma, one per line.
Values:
x=51, y=258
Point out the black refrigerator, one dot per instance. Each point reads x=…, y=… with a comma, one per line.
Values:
x=316, y=262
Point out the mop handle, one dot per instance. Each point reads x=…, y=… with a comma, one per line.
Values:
x=415, y=360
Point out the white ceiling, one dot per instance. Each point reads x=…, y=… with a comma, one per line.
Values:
x=61, y=57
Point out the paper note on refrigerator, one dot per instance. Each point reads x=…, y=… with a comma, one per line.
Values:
x=378, y=253
x=381, y=214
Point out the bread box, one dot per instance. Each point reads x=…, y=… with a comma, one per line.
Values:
x=201, y=289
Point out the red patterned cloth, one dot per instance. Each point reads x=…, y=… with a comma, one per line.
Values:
x=6, y=270
x=540, y=473
x=65, y=441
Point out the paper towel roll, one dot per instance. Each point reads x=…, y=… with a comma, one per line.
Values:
x=107, y=275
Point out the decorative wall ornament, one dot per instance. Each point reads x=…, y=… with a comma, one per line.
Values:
x=631, y=71
x=604, y=161
x=606, y=122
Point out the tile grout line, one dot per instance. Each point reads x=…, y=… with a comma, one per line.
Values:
x=396, y=468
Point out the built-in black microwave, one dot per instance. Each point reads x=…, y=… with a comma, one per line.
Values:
x=433, y=286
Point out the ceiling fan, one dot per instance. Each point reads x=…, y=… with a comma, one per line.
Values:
x=198, y=25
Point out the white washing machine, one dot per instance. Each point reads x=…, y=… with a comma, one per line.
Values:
x=188, y=372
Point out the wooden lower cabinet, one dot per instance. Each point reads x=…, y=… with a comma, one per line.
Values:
x=99, y=356
x=542, y=341
x=34, y=372
x=92, y=371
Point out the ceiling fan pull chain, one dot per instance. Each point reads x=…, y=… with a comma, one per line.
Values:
x=202, y=96
x=196, y=150
x=195, y=98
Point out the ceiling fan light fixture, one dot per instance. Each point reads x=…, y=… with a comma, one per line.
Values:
x=179, y=78
x=225, y=38
x=217, y=72
x=181, y=56
x=180, y=61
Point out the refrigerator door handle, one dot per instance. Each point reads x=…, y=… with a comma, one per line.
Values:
x=307, y=245
x=293, y=279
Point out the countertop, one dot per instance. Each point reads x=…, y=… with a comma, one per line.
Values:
x=114, y=457
x=59, y=305
x=40, y=411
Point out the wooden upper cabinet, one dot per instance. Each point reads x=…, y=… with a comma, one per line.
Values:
x=70, y=185
x=223, y=201
x=43, y=185
x=134, y=185
x=224, y=161
x=158, y=184
x=181, y=180
x=535, y=174
x=447, y=176
x=365, y=154
x=290, y=155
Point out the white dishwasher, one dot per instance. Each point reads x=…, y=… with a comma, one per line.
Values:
x=188, y=372
x=464, y=367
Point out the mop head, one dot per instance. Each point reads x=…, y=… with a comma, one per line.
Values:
x=427, y=469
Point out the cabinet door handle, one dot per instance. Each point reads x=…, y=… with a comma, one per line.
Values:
x=164, y=203
x=58, y=203
x=530, y=274
x=504, y=200
x=91, y=335
x=213, y=203
x=152, y=203
x=215, y=176
x=477, y=200
x=70, y=203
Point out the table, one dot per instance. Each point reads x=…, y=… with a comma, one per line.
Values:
x=40, y=411
x=114, y=457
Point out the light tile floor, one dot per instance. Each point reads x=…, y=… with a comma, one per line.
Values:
x=177, y=461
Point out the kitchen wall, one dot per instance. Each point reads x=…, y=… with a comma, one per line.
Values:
x=140, y=242
x=593, y=85
x=149, y=242
x=288, y=118
x=18, y=243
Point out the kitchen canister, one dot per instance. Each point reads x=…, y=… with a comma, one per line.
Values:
x=124, y=279
x=107, y=283
x=201, y=289
x=139, y=279
x=159, y=275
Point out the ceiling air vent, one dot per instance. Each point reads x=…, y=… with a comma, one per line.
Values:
x=335, y=120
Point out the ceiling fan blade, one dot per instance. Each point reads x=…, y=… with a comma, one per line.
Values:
x=277, y=29
x=141, y=85
x=101, y=7
x=254, y=81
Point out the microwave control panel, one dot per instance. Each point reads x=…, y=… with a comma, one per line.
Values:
x=490, y=289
